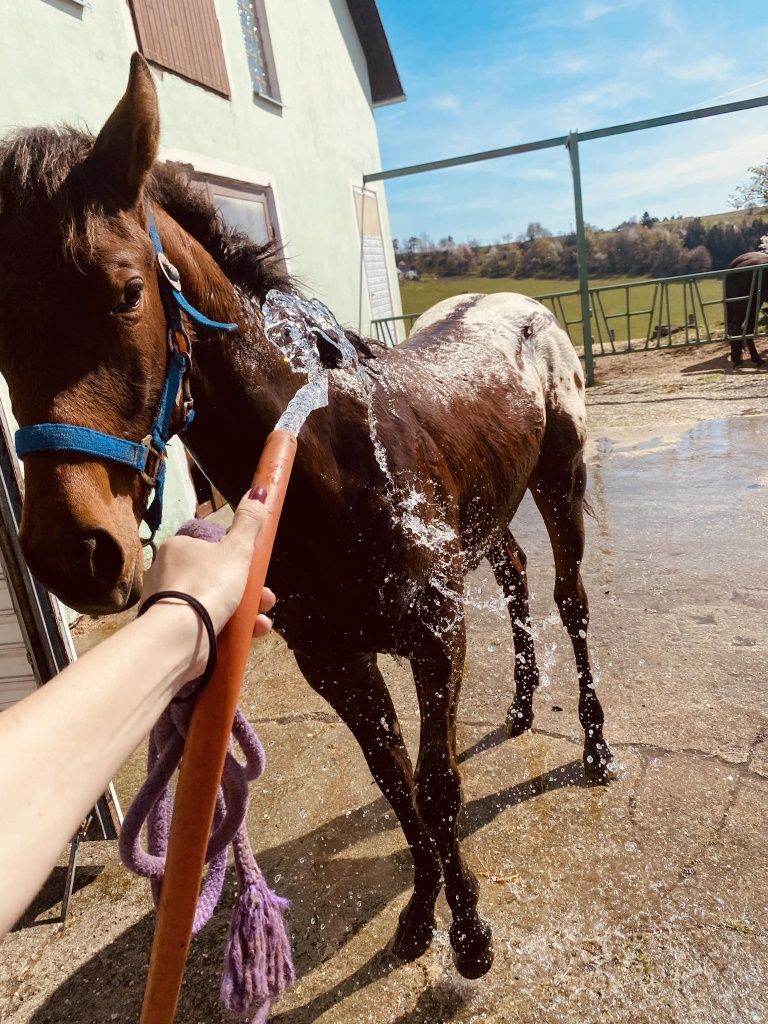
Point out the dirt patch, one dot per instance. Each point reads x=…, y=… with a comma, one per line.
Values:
x=683, y=361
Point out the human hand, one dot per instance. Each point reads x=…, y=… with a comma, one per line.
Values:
x=215, y=574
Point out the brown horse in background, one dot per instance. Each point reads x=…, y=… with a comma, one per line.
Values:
x=742, y=314
x=485, y=401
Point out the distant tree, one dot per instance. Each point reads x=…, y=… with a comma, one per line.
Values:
x=667, y=252
x=647, y=221
x=396, y=244
x=446, y=243
x=460, y=261
x=536, y=230
x=492, y=263
x=513, y=258
x=754, y=191
x=426, y=242
x=412, y=245
x=542, y=256
x=698, y=260
x=695, y=234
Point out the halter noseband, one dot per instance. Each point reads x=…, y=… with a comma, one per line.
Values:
x=147, y=457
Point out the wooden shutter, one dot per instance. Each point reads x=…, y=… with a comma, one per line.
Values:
x=183, y=36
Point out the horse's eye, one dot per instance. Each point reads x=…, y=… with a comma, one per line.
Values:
x=131, y=296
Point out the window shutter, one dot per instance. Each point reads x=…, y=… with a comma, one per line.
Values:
x=183, y=36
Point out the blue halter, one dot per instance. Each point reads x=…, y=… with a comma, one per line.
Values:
x=147, y=456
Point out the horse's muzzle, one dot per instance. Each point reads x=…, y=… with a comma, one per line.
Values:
x=89, y=571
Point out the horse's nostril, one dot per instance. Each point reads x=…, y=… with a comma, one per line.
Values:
x=104, y=556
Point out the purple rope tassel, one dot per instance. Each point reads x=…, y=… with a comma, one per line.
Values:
x=258, y=965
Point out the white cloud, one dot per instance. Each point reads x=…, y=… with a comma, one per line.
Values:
x=446, y=102
x=707, y=69
x=677, y=174
x=574, y=64
x=593, y=11
x=538, y=174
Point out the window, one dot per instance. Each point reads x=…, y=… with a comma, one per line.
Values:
x=183, y=36
x=258, y=48
x=250, y=208
x=373, y=253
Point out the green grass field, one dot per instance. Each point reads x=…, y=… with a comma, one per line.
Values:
x=418, y=296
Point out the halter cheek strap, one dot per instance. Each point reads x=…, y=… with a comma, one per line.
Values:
x=147, y=456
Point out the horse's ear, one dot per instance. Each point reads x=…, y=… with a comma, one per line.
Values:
x=126, y=147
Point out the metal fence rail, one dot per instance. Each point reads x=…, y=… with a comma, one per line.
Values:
x=654, y=313
x=571, y=142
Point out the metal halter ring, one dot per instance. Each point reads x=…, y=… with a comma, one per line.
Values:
x=169, y=272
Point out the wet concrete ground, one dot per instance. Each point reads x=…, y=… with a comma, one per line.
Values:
x=646, y=901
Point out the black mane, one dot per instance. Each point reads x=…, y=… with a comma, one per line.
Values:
x=50, y=165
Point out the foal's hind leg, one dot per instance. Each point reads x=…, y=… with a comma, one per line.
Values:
x=508, y=562
x=558, y=490
x=355, y=689
x=437, y=665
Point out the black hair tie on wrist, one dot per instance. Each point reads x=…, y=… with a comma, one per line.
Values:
x=205, y=618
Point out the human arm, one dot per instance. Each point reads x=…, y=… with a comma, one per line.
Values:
x=60, y=747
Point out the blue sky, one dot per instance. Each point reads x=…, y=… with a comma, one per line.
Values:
x=480, y=74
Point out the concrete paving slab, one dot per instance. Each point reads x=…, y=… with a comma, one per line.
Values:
x=643, y=901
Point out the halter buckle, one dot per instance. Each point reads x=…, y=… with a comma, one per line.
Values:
x=155, y=460
x=178, y=341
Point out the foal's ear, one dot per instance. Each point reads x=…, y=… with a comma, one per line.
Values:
x=126, y=147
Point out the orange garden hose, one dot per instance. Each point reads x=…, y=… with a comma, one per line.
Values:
x=204, y=755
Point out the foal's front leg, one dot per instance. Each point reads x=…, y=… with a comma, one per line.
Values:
x=437, y=665
x=355, y=689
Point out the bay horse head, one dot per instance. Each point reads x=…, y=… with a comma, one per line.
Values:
x=84, y=343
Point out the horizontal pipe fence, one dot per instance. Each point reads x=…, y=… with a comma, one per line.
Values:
x=654, y=313
x=659, y=313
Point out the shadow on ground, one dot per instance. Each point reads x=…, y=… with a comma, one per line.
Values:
x=50, y=895
x=721, y=362
x=111, y=982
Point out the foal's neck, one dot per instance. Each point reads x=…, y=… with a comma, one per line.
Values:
x=240, y=382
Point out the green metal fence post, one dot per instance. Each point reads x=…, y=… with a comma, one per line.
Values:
x=581, y=254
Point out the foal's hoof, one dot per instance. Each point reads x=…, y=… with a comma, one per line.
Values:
x=599, y=765
x=519, y=720
x=472, y=954
x=413, y=937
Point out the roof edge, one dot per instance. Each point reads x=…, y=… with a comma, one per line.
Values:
x=386, y=87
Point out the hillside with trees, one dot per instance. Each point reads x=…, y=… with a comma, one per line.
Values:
x=644, y=247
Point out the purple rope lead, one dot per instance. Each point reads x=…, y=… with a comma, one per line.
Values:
x=258, y=965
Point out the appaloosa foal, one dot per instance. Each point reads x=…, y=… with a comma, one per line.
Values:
x=484, y=401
